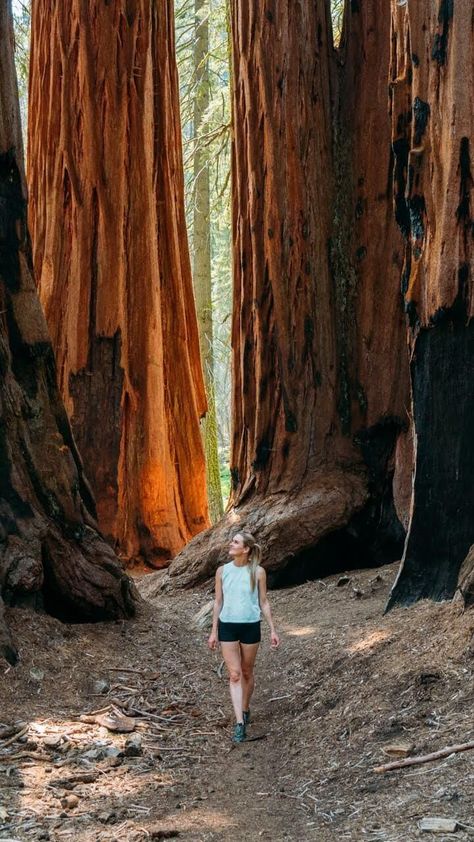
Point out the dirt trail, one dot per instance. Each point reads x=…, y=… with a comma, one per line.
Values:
x=346, y=683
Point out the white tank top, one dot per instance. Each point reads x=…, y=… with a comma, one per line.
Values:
x=241, y=603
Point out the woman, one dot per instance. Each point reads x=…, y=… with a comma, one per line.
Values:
x=241, y=594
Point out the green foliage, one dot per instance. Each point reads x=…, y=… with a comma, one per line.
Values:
x=21, y=23
x=337, y=15
x=225, y=481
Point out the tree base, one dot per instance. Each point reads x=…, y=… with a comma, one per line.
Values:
x=285, y=525
x=73, y=580
x=441, y=526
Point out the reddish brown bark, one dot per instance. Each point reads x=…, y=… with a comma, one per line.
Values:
x=50, y=551
x=432, y=80
x=320, y=364
x=110, y=252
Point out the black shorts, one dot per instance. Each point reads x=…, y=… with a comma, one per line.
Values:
x=242, y=632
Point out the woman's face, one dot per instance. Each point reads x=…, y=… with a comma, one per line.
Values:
x=236, y=546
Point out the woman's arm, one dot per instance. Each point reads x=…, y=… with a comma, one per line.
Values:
x=265, y=606
x=218, y=599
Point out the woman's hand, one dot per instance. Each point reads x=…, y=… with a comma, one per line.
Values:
x=212, y=641
x=275, y=640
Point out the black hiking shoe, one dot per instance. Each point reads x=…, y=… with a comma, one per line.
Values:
x=246, y=714
x=239, y=733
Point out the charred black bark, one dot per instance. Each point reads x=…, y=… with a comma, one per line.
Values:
x=442, y=523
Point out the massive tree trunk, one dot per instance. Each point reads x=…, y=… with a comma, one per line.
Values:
x=50, y=551
x=432, y=81
x=320, y=366
x=111, y=257
x=202, y=251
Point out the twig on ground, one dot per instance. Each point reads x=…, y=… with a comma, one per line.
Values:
x=425, y=758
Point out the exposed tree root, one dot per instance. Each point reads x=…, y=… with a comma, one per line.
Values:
x=466, y=579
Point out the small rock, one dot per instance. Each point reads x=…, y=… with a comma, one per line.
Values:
x=101, y=687
x=53, y=741
x=106, y=817
x=133, y=746
x=69, y=802
x=92, y=754
x=36, y=674
x=343, y=580
x=111, y=751
x=357, y=593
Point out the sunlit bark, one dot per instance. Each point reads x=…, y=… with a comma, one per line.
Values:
x=111, y=257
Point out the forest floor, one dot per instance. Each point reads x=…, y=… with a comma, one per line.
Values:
x=346, y=683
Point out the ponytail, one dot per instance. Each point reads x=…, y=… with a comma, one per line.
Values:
x=255, y=556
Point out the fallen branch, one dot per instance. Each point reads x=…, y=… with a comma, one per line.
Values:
x=72, y=780
x=15, y=737
x=425, y=758
x=4, y=758
x=11, y=730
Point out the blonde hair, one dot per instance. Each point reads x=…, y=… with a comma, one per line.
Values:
x=255, y=555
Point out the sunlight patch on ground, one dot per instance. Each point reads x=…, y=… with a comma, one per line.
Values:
x=69, y=737
x=198, y=819
x=300, y=631
x=370, y=641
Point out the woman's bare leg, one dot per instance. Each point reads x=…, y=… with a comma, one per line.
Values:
x=232, y=658
x=248, y=653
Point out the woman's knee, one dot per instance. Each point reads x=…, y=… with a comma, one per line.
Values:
x=234, y=676
x=247, y=673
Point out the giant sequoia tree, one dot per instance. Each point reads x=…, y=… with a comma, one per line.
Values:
x=320, y=367
x=353, y=269
x=50, y=551
x=111, y=258
x=432, y=83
